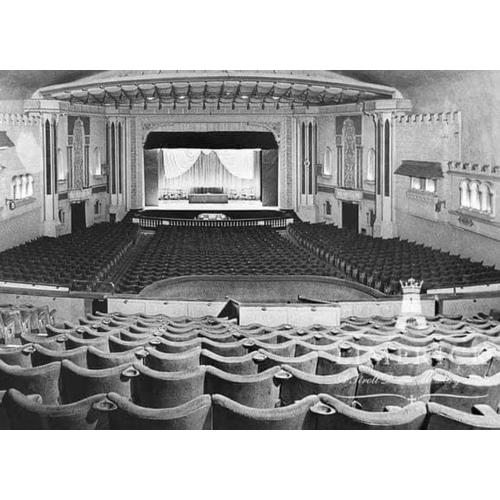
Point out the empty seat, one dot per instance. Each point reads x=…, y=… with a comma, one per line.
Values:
x=255, y=391
x=42, y=356
x=465, y=393
x=168, y=347
x=99, y=360
x=17, y=355
x=333, y=365
x=332, y=414
x=298, y=385
x=229, y=415
x=29, y=413
x=401, y=366
x=43, y=380
x=306, y=364
x=376, y=390
x=80, y=383
x=464, y=367
x=245, y=365
x=125, y=415
x=154, y=389
x=444, y=418
x=116, y=345
x=172, y=363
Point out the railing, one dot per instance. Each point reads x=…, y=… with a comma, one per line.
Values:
x=156, y=222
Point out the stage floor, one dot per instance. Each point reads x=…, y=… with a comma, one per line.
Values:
x=232, y=206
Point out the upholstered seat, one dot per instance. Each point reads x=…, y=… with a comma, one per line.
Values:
x=100, y=360
x=306, y=364
x=230, y=415
x=333, y=365
x=29, y=413
x=299, y=385
x=119, y=346
x=172, y=363
x=125, y=415
x=462, y=393
x=398, y=366
x=464, y=367
x=168, y=347
x=80, y=383
x=255, y=391
x=42, y=356
x=444, y=418
x=43, y=380
x=377, y=390
x=334, y=415
x=17, y=355
x=154, y=389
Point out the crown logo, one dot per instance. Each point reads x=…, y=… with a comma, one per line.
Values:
x=411, y=286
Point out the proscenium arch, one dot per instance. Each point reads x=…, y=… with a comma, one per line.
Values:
x=281, y=128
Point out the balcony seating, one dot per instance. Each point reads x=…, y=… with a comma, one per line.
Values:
x=79, y=383
x=30, y=413
x=462, y=393
x=43, y=380
x=333, y=415
x=299, y=385
x=254, y=391
x=444, y=418
x=376, y=390
x=193, y=416
x=230, y=415
x=152, y=389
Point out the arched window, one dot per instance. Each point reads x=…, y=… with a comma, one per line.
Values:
x=24, y=190
x=486, y=198
x=328, y=163
x=464, y=194
x=61, y=167
x=475, y=202
x=97, y=162
x=13, y=188
x=370, y=172
x=30, y=186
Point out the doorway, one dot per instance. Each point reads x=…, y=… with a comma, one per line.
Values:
x=78, y=217
x=350, y=216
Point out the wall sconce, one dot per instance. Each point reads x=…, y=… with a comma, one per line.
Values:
x=440, y=205
x=10, y=203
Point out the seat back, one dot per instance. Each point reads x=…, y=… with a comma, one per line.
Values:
x=43, y=380
x=29, y=413
x=192, y=416
x=299, y=385
x=229, y=415
x=333, y=414
x=172, y=363
x=153, y=389
x=255, y=391
x=79, y=383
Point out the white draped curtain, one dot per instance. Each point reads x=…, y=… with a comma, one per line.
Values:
x=231, y=170
x=239, y=163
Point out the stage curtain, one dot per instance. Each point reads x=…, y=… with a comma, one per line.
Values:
x=178, y=161
x=209, y=172
x=239, y=163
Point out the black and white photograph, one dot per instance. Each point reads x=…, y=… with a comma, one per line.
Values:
x=249, y=250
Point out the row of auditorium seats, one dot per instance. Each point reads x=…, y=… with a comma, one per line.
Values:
x=175, y=252
x=87, y=256
x=117, y=371
x=382, y=264
x=15, y=320
x=322, y=412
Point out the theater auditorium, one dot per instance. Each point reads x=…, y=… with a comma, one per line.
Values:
x=249, y=250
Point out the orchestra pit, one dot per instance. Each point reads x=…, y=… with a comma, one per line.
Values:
x=249, y=250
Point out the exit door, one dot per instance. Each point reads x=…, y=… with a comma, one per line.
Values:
x=350, y=216
x=78, y=217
